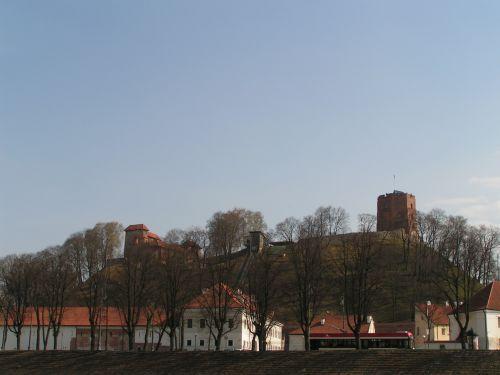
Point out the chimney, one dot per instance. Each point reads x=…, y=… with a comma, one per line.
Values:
x=257, y=241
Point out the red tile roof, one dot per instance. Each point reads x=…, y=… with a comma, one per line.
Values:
x=154, y=235
x=211, y=296
x=334, y=324
x=438, y=314
x=487, y=298
x=133, y=227
x=79, y=316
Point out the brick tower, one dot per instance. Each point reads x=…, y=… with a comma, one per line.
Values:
x=396, y=210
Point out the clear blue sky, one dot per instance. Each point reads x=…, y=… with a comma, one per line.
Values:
x=163, y=112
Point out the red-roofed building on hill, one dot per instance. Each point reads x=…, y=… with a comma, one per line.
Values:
x=484, y=318
x=139, y=238
x=431, y=323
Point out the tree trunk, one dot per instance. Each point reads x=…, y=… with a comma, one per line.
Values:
x=92, y=337
x=55, y=334
x=131, y=339
x=160, y=337
x=146, y=337
x=46, y=338
x=4, y=333
x=38, y=337
x=171, y=336
x=262, y=342
x=357, y=337
x=18, y=340
x=182, y=335
x=463, y=339
x=307, y=337
x=218, y=340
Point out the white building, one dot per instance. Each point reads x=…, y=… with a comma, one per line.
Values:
x=237, y=330
x=74, y=333
x=484, y=317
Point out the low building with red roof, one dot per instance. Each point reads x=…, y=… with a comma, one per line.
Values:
x=484, y=317
x=74, y=333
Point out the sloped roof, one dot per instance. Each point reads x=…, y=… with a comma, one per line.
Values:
x=437, y=313
x=487, y=298
x=79, y=316
x=334, y=324
x=133, y=227
x=154, y=235
x=211, y=296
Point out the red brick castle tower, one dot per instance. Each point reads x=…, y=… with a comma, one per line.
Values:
x=397, y=210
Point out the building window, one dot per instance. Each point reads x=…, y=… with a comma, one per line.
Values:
x=202, y=323
x=443, y=331
x=188, y=343
x=190, y=323
x=202, y=342
x=229, y=342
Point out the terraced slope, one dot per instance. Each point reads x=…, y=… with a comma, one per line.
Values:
x=345, y=362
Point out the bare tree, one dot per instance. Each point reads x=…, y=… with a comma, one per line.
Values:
x=332, y=220
x=231, y=229
x=288, y=229
x=462, y=262
x=130, y=287
x=57, y=285
x=221, y=308
x=356, y=265
x=307, y=292
x=226, y=234
x=17, y=280
x=176, y=285
x=262, y=289
x=175, y=235
x=91, y=251
x=489, y=241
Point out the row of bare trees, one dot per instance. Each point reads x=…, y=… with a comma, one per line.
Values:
x=455, y=258
x=323, y=262
x=460, y=260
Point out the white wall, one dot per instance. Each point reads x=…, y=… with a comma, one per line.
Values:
x=63, y=339
x=487, y=340
x=241, y=335
x=296, y=343
x=493, y=329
